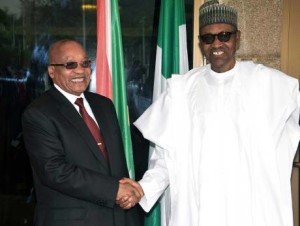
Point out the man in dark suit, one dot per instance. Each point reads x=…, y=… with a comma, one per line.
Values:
x=76, y=179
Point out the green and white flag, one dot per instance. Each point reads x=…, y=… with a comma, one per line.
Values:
x=171, y=58
x=171, y=53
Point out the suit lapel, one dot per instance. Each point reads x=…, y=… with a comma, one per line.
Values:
x=74, y=118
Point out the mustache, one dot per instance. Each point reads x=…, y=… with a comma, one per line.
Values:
x=214, y=49
x=80, y=75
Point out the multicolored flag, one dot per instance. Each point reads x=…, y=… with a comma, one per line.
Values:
x=110, y=72
x=171, y=58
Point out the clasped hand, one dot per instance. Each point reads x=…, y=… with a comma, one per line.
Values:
x=129, y=194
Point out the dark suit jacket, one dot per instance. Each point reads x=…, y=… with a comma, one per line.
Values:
x=74, y=184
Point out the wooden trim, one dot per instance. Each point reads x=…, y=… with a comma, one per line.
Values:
x=290, y=46
x=197, y=55
x=285, y=35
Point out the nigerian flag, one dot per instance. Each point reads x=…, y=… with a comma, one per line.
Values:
x=171, y=53
x=171, y=58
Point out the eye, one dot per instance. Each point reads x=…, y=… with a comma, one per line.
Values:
x=208, y=38
x=86, y=64
x=224, y=36
x=71, y=65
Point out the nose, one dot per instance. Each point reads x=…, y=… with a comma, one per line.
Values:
x=79, y=69
x=217, y=42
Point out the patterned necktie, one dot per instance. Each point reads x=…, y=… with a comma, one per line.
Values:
x=91, y=124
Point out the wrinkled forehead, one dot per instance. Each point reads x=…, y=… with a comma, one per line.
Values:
x=67, y=51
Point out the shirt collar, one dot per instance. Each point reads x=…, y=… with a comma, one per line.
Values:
x=72, y=98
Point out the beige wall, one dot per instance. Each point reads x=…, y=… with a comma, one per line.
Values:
x=260, y=24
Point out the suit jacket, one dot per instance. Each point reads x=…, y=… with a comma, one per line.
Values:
x=75, y=184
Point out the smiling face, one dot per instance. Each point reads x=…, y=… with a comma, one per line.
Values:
x=221, y=55
x=74, y=81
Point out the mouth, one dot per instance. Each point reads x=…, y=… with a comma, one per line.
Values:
x=217, y=53
x=77, y=80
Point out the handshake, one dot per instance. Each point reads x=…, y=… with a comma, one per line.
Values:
x=129, y=194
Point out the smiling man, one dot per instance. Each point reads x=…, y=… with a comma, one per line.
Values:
x=75, y=148
x=219, y=36
x=225, y=135
x=218, y=43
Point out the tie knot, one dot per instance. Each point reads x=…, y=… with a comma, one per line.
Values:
x=79, y=102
